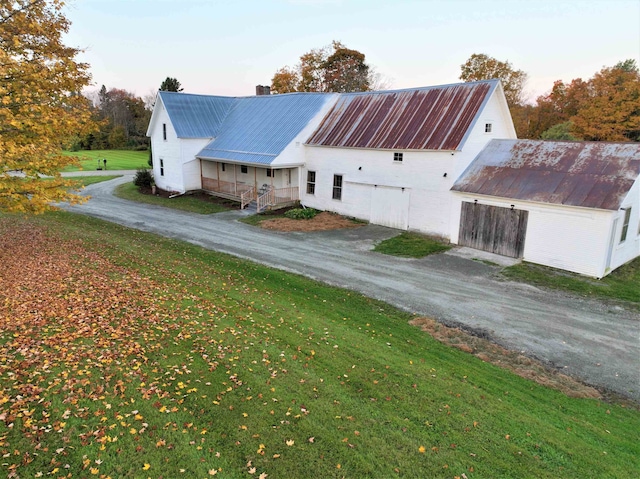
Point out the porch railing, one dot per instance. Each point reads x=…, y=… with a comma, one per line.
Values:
x=247, y=197
x=226, y=188
x=277, y=196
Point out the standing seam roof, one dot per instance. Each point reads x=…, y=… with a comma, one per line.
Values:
x=196, y=116
x=258, y=128
x=432, y=118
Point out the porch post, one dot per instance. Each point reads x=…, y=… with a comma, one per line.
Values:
x=235, y=179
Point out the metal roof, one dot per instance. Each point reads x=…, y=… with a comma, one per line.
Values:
x=431, y=118
x=196, y=116
x=587, y=174
x=258, y=128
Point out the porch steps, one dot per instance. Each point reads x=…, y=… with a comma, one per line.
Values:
x=252, y=208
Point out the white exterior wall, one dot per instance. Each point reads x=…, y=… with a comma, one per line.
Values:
x=181, y=170
x=630, y=248
x=413, y=194
x=563, y=237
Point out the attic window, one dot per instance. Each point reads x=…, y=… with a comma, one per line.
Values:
x=244, y=169
x=625, y=224
x=397, y=157
x=164, y=131
x=488, y=127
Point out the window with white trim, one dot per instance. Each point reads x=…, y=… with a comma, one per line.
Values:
x=337, y=187
x=625, y=224
x=397, y=157
x=161, y=167
x=269, y=173
x=164, y=131
x=488, y=127
x=311, y=182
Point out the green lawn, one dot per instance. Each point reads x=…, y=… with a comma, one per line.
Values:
x=131, y=355
x=116, y=159
x=621, y=284
x=411, y=245
x=203, y=205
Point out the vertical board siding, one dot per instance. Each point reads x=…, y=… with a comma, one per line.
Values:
x=494, y=229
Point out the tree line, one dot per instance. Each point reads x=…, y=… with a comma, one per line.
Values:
x=605, y=107
x=121, y=118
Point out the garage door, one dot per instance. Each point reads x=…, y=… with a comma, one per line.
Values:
x=493, y=228
x=390, y=207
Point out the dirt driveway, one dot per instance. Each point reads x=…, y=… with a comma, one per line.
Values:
x=587, y=339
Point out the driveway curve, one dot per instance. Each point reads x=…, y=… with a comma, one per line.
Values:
x=591, y=340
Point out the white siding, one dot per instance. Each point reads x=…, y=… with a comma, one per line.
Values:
x=426, y=177
x=181, y=169
x=563, y=237
x=630, y=248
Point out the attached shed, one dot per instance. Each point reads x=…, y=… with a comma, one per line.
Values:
x=568, y=205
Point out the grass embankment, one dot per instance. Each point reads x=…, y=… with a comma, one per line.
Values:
x=194, y=204
x=116, y=159
x=411, y=245
x=622, y=284
x=130, y=355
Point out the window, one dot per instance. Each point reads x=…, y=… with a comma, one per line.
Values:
x=397, y=157
x=625, y=224
x=311, y=182
x=269, y=173
x=164, y=131
x=488, y=127
x=161, y=167
x=224, y=166
x=244, y=169
x=337, y=187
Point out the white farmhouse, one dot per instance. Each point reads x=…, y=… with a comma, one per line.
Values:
x=442, y=160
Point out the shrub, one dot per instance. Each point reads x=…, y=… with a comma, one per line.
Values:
x=143, y=178
x=301, y=213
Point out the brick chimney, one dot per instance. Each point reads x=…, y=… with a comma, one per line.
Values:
x=263, y=90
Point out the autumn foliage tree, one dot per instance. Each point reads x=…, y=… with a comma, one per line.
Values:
x=41, y=108
x=480, y=66
x=333, y=68
x=610, y=107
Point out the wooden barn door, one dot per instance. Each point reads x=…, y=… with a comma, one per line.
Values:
x=494, y=229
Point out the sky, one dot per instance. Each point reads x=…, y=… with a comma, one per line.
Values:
x=227, y=47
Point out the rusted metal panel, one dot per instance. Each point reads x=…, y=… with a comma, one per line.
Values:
x=587, y=174
x=432, y=118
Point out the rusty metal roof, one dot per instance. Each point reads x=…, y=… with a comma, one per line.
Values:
x=587, y=174
x=431, y=118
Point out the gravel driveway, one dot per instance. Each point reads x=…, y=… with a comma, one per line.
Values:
x=587, y=339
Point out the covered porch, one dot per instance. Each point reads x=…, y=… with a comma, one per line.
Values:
x=269, y=187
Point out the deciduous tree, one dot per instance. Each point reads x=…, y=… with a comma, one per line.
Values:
x=333, y=68
x=41, y=109
x=480, y=66
x=610, y=110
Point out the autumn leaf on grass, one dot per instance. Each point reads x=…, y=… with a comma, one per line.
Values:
x=422, y=449
x=146, y=467
x=289, y=442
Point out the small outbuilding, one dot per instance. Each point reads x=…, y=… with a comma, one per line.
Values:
x=565, y=204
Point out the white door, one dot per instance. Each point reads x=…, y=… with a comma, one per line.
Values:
x=390, y=206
